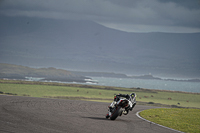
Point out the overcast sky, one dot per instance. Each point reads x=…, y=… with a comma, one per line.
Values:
x=179, y=16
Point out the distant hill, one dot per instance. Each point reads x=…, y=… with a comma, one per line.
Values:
x=21, y=72
x=88, y=46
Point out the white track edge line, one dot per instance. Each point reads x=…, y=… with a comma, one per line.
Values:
x=137, y=114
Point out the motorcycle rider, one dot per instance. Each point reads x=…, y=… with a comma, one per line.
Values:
x=132, y=102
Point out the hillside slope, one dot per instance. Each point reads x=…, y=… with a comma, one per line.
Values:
x=22, y=72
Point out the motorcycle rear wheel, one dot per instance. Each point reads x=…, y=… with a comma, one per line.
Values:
x=116, y=113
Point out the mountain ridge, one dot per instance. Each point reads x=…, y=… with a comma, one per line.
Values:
x=88, y=46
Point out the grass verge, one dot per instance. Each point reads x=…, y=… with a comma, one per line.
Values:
x=98, y=93
x=185, y=120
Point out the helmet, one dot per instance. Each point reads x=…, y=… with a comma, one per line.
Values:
x=133, y=95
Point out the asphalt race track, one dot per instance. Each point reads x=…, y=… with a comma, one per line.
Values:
x=41, y=115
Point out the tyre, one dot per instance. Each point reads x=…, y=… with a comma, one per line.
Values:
x=116, y=113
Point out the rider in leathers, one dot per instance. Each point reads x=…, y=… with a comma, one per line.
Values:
x=131, y=98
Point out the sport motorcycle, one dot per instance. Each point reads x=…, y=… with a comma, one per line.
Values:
x=121, y=107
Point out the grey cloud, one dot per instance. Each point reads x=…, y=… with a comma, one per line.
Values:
x=194, y=4
x=179, y=13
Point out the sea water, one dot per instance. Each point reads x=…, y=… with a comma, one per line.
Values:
x=149, y=84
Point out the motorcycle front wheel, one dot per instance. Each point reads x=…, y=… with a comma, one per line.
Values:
x=116, y=113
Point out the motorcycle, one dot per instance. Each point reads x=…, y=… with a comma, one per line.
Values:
x=121, y=107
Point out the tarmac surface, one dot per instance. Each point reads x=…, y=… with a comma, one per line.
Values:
x=42, y=115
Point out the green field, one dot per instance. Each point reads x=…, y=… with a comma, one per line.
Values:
x=185, y=120
x=98, y=93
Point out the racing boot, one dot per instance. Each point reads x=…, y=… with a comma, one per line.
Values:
x=107, y=116
x=132, y=106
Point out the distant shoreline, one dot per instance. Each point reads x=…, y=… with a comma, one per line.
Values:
x=10, y=71
x=118, y=75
